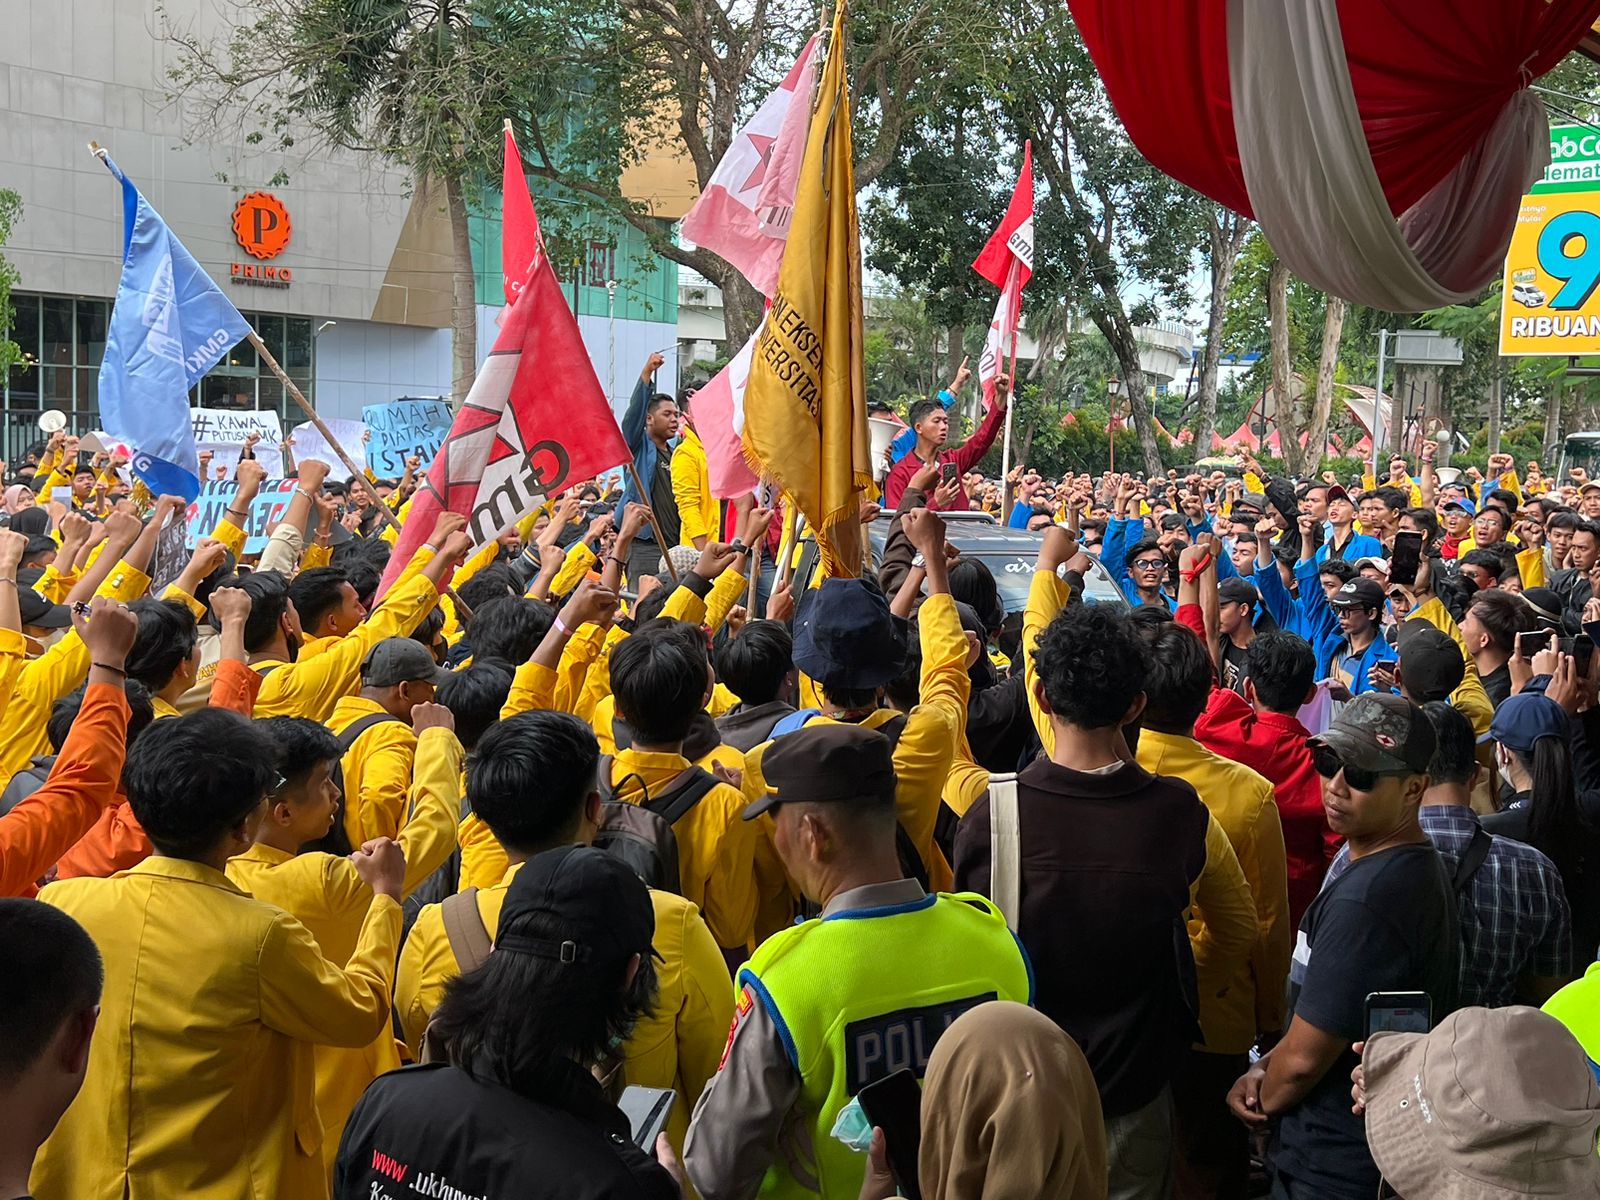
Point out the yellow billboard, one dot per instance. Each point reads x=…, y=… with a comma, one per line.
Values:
x=1550, y=305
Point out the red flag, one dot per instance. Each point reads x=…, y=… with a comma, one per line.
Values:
x=1007, y=261
x=535, y=422
x=519, y=224
x=1014, y=237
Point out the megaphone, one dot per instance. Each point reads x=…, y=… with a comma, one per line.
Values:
x=882, y=431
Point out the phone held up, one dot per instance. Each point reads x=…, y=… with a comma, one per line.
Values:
x=647, y=1110
x=894, y=1105
x=1399, y=1012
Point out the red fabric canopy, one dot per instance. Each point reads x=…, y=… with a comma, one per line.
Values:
x=1430, y=77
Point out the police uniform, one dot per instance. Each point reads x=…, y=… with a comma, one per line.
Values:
x=835, y=1003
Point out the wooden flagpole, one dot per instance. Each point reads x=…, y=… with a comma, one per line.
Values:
x=293, y=389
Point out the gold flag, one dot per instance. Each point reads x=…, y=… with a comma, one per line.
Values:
x=805, y=406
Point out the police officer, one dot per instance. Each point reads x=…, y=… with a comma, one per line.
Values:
x=833, y=1004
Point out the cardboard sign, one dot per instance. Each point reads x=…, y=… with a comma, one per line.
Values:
x=309, y=443
x=222, y=432
x=403, y=429
x=271, y=502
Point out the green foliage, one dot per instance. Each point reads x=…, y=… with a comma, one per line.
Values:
x=10, y=214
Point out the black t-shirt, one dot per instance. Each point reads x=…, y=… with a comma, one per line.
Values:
x=669, y=523
x=436, y=1130
x=1497, y=683
x=1235, y=665
x=1388, y=924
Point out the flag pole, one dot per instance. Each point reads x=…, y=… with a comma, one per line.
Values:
x=293, y=389
x=644, y=498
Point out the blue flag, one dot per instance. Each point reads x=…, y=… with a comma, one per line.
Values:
x=169, y=326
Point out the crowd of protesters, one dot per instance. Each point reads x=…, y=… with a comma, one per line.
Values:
x=318, y=888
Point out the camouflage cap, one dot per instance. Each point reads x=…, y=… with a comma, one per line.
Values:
x=1382, y=733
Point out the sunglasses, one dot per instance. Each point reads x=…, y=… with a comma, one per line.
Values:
x=1328, y=762
x=1150, y=564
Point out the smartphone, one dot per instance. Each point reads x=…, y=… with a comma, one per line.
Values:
x=1406, y=558
x=1399, y=1012
x=947, y=472
x=647, y=1110
x=1532, y=641
x=894, y=1105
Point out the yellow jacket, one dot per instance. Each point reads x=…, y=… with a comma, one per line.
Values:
x=44, y=680
x=1244, y=996
x=200, y=1072
x=698, y=509
x=678, y=1046
x=312, y=687
x=325, y=892
x=1469, y=695
x=377, y=770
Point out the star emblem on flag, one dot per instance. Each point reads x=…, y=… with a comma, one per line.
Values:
x=758, y=173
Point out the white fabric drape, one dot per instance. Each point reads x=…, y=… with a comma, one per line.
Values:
x=1300, y=139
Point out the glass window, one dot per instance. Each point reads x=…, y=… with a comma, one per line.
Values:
x=270, y=394
x=57, y=331
x=88, y=391
x=227, y=391
x=297, y=348
x=25, y=326
x=92, y=317
x=55, y=387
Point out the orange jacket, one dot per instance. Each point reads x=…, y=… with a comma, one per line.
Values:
x=84, y=782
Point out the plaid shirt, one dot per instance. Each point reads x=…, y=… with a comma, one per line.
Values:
x=1514, y=917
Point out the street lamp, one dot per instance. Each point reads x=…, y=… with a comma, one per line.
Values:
x=1113, y=386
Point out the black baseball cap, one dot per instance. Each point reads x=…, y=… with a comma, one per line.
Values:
x=1431, y=663
x=1360, y=592
x=400, y=660
x=1381, y=732
x=1235, y=590
x=1253, y=500
x=35, y=609
x=827, y=763
x=599, y=910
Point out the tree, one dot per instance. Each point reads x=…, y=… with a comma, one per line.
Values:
x=1226, y=232
x=1106, y=209
x=10, y=214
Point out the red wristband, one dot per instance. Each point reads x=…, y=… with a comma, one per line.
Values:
x=1197, y=570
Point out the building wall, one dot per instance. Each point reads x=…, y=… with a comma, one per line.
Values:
x=364, y=362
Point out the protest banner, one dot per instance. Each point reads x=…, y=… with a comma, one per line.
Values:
x=309, y=443
x=404, y=428
x=222, y=432
x=271, y=502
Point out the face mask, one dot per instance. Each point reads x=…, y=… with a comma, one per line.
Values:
x=852, y=1128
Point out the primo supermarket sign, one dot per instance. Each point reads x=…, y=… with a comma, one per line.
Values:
x=1574, y=161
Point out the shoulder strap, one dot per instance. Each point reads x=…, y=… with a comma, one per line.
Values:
x=359, y=726
x=792, y=721
x=1005, y=847
x=464, y=927
x=683, y=791
x=1477, y=852
x=606, y=790
x=268, y=670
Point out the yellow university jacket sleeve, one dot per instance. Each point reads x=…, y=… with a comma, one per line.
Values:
x=924, y=752
x=1222, y=924
x=385, y=779
x=483, y=860
x=1469, y=695
x=310, y=999
x=686, y=466
x=707, y=1011
x=576, y=660
x=429, y=834
x=731, y=588
x=597, y=684
x=1047, y=595
x=578, y=563
x=532, y=687
x=1266, y=870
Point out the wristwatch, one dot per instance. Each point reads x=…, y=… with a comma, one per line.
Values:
x=918, y=561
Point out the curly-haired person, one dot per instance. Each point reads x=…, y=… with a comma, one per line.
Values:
x=1111, y=857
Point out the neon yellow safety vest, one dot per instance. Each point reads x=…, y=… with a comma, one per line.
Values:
x=1577, y=1006
x=860, y=994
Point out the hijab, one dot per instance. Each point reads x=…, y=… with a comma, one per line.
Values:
x=1010, y=1112
x=15, y=495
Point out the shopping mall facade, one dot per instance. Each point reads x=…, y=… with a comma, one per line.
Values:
x=339, y=262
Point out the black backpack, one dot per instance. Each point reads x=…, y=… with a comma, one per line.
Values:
x=337, y=840
x=641, y=834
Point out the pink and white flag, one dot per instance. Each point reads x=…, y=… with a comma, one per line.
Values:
x=1006, y=261
x=743, y=216
x=743, y=213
